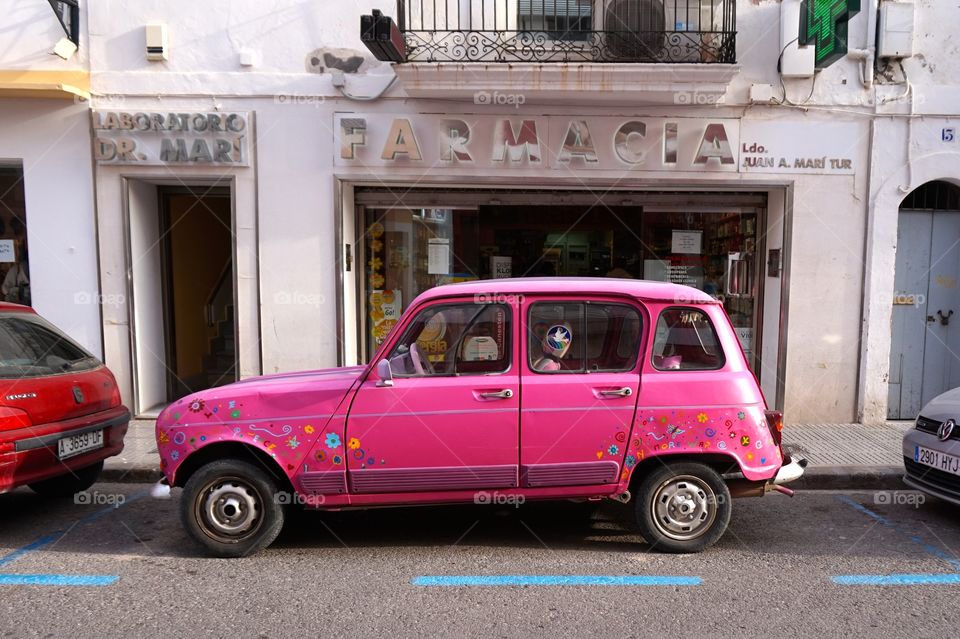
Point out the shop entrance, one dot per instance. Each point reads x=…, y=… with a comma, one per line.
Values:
x=925, y=338
x=198, y=290
x=183, y=291
x=709, y=241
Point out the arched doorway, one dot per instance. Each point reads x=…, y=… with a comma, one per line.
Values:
x=925, y=337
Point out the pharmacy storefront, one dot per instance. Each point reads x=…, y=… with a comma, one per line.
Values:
x=428, y=200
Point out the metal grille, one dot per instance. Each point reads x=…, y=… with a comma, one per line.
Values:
x=668, y=31
x=947, y=482
x=936, y=196
x=932, y=426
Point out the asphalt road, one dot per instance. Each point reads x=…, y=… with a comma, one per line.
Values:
x=357, y=573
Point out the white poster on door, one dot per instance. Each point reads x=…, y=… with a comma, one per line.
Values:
x=687, y=242
x=438, y=256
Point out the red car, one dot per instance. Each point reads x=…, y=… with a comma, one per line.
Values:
x=60, y=408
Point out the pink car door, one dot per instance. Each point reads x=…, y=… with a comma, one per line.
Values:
x=450, y=419
x=580, y=379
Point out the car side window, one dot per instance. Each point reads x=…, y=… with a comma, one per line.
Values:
x=576, y=337
x=454, y=339
x=686, y=340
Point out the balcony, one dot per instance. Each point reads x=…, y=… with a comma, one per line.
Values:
x=569, y=31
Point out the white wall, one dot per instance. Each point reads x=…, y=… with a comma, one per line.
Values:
x=30, y=30
x=52, y=140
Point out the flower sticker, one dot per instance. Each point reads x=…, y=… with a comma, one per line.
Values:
x=630, y=461
x=613, y=450
x=196, y=405
x=741, y=415
x=337, y=460
x=745, y=440
x=320, y=456
x=293, y=443
x=333, y=441
x=702, y=418
x=353, y=444
x=308, y=429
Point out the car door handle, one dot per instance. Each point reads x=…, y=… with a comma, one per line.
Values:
x=506, y=393
x=626, y=391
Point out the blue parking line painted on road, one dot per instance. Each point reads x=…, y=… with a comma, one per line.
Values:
x=57, y=580
x=52, y=538
x=29, y=548
x=929, y=548
x=553, y=580
x=897, y=580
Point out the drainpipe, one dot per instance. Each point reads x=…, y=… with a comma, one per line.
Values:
x=866, y=55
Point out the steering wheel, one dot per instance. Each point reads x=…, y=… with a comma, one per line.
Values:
x=421, y=364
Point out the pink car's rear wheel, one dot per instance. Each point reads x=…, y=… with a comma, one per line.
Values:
x=683, y=507
x=232, y=508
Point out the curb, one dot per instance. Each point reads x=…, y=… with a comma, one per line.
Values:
x=851, y=478
x=130, y=475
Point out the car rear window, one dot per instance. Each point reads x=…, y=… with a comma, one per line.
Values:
x=686, y=340
x=31, y=347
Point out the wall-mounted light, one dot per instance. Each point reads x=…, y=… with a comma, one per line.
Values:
x=65, y=48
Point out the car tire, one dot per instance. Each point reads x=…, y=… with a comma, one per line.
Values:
x=69, y=484
x=232, y=508
x=683, y=507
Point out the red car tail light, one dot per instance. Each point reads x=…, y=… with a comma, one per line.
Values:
x=115, y=399
x=775, y=424
x=13, y=418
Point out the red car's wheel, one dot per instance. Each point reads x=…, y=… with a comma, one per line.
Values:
x=69, y=484
x=231, y=508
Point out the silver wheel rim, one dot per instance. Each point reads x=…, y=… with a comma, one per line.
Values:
x=229, y=509
x=684, y=507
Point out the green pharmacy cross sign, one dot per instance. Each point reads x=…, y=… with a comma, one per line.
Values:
x=823, y=23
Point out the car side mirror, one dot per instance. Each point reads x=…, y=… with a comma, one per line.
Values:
x=385, y=373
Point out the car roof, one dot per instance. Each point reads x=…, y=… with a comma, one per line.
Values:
x=639, y=289
x=10, y=306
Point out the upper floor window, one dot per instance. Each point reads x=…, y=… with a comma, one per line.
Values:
x=686, y=340
x=454, y=339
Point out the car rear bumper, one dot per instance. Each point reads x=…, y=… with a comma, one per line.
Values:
x=791, y=471
x=29, y=454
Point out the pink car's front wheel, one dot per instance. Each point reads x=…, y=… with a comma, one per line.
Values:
x=232, y=508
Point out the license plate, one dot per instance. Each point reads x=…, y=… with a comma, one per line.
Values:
x=78, y=444
x=937, y=459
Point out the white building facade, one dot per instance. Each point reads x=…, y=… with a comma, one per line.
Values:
x=266, y=195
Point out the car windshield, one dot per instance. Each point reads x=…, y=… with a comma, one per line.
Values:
x=31, y=347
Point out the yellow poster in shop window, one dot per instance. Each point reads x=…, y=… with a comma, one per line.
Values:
x=385, y=308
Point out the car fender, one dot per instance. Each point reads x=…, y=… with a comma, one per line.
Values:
x=739, y=433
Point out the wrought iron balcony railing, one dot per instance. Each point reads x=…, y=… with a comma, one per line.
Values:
x=666, y=31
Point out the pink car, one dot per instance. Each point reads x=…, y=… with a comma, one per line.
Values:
x=487, y=391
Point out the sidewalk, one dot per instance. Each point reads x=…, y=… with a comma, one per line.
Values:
x=841, y=456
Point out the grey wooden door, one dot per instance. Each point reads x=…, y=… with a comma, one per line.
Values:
x=925, y=344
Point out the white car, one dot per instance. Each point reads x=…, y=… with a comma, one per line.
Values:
x=931, y=451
